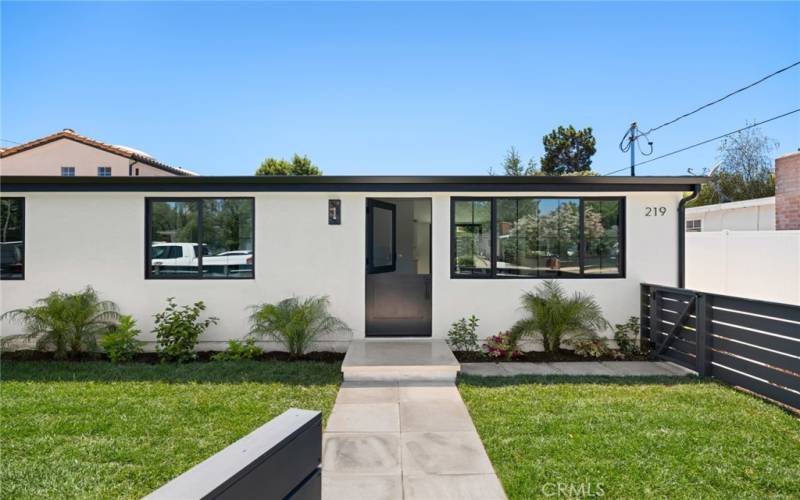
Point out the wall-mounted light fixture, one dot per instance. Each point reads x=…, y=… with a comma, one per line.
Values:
x=334, y=212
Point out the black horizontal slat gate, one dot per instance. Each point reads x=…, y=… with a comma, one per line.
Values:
x=748, y=343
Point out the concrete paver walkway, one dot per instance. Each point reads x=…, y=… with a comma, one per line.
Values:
x=404, y=440
x=610, y=368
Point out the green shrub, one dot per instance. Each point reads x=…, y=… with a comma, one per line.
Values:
x=178, y=329
x=626, y=335
x=65, y=322
x=120, y=344
x=503, y=346
x=239, y=350
x=594, y=347
x=295, y=323
x=555, y=318
x=463, y=335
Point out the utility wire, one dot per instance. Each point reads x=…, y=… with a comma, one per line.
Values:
x=708, y=140
x=12, y=142
x=723, y=98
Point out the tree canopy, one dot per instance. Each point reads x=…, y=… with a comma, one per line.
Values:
x=567, y=150
x=745, y=170
x=300, y=165
x=512, y=165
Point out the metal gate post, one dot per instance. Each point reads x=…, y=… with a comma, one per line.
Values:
x=703, y=314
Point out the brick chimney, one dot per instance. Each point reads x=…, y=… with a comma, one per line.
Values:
x=787, y=191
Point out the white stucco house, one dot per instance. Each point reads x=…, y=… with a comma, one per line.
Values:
x=748, y=215
x=67, y=153
x=398, y=256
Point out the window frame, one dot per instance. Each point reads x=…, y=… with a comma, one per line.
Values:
x=64, y=167
x=148, y=202
x=24, y=237
x=102, y=168
x=581, y=242
x=694, y=225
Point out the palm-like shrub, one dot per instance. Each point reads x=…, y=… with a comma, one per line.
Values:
x=65, y=322
x=295, y=322
x=555, y=317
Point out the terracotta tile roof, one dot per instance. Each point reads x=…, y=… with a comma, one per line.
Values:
x=72, y=135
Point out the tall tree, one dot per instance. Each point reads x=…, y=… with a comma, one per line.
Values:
x=300, y=165
x=567, y=151
x=745, y=169
x=512, y=164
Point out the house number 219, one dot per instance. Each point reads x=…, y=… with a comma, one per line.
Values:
x=654, y=211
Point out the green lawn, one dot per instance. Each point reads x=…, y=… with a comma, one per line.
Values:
x=97, y=430
x=637, y=438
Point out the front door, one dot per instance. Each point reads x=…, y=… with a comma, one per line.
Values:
x=398, y=284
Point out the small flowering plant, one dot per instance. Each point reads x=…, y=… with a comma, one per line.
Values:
x=502, y=346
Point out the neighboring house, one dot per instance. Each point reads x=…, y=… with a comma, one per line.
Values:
x=746, y=215
x=68, y=154
x=749, y=248
x=398, y=256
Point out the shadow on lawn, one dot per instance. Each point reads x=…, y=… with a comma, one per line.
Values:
x=479, y=381
x=217, y=372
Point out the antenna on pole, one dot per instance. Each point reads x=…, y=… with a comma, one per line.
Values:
x=631, y=139
x=629, y=142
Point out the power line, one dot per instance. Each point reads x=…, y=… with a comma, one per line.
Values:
x=707, y=141
x=12, y=142
x=704, y=106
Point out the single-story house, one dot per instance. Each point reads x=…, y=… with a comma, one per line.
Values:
x=397, y=256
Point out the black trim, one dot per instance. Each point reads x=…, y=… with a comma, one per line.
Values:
x=24, y=237
x=371, y=205
x=623, y=238
x=682, y=234
x=351, y=183
x=199, y=201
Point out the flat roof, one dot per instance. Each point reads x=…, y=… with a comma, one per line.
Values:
x=733, y=205
x=365, y=183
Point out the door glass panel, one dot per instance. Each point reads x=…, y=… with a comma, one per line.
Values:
x=382, y=237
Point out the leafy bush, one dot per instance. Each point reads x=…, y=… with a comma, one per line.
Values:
x=178, y=329
x=555, y=318
x=503, y=345
x=626, y=335
x=120, y=344
x=463, y=335
x=65, y=322
x=239, y=350
x=594, y=347
x=295, y=323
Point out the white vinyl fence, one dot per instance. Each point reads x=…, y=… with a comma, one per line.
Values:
x=762, y=265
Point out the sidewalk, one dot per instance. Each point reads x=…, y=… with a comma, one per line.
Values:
x=578, y=368
x=404, y=440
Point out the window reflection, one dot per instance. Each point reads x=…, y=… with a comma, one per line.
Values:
x=222, y=247
x=473, y=234
x=12, y=238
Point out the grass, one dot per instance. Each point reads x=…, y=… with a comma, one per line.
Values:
x=633, y=438
x=98, y=430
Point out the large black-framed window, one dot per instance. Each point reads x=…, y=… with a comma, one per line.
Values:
x=12, y=238
x=200, y=238
x=537, y=237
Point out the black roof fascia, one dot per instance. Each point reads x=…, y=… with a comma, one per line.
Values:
x=13, y=184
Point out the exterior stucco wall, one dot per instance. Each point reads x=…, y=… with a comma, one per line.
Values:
x=48, y=159
x=75, y=239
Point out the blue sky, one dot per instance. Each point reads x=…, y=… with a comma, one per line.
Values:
x=391, y=88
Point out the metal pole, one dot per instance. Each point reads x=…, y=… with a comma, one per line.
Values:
x=631, y=142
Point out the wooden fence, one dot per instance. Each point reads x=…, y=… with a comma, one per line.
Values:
x=748, y=343
x=279, y=460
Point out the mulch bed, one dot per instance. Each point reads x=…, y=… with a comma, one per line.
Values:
x=152, y=357
x=539, y=357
